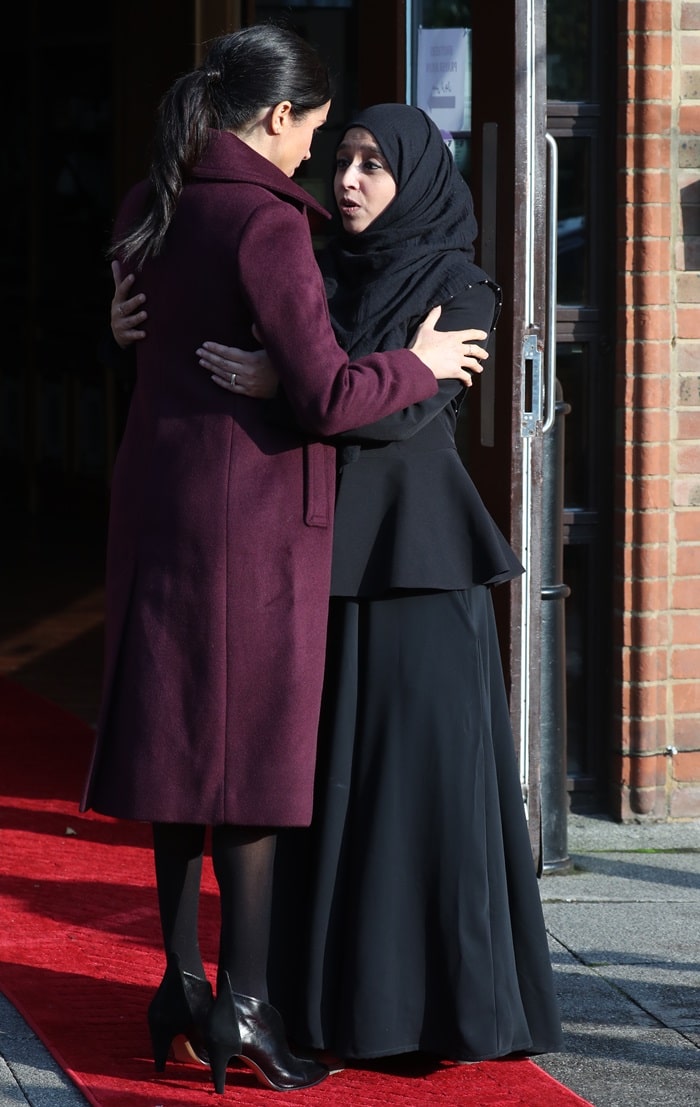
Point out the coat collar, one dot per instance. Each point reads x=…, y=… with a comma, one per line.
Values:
x=227, y=158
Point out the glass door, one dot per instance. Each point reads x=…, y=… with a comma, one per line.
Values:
x=479, y=70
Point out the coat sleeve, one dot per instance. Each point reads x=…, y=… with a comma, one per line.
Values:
x=475, y=308
x=282, y=282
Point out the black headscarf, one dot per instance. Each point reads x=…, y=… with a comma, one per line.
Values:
x=418, y=253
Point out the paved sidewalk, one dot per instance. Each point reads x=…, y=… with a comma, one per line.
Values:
x=625, y=938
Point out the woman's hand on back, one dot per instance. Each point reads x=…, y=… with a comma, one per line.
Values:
x=245, y=372
x=449, y=354
x=126, y=315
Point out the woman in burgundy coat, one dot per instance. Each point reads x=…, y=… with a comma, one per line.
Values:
x=409, y=917
x=220, y=531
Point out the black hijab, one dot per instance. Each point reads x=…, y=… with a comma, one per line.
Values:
x=418, y=253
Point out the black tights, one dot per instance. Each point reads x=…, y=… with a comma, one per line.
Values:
x=243, y=860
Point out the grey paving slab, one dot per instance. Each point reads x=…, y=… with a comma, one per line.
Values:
x=670, y=995
x=595, y=832
x=627, y=1067
x=28, y=1072
x=628, y=876
x=618, y=933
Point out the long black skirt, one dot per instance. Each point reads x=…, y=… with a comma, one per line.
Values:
x=408, y=917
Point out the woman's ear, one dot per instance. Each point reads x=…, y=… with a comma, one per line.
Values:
x=281, y=116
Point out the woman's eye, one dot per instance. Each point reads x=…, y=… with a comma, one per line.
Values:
x=341, y=163
x=373, y=165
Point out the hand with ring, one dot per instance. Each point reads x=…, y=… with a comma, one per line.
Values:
x=245, y=372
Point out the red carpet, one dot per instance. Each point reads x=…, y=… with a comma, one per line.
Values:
x=80, y=947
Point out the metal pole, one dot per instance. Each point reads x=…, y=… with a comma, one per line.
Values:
x=555, y=857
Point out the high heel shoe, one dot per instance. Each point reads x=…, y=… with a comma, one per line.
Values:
x=181, y=1006
x=244, y=1027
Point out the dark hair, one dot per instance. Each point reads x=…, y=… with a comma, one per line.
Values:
x=243, y=73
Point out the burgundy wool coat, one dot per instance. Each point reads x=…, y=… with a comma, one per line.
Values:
x=220, y=530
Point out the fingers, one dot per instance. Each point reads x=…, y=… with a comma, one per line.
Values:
x=432, y=316
x=474, y=356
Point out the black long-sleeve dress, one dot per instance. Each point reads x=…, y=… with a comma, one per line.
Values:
x=408, y=917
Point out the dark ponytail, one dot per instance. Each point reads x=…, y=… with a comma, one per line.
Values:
x=242, y=74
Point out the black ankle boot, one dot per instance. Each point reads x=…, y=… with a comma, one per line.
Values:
x=241, y=1026
x=181, y=1005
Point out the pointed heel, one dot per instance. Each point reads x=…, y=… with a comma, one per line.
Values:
x=223, y=1038
x=181, y=1006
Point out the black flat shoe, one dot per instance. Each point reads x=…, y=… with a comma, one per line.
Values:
x=180, y=1007
x=244, y=1027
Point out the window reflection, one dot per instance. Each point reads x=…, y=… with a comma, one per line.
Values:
x=577, y=703
x=573, y=374
x=573, y=228
x=568, y=49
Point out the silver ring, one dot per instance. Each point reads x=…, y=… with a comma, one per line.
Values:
x=120, y=309
x=232, y=382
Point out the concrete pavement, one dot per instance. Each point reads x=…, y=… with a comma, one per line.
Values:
x=624, y=930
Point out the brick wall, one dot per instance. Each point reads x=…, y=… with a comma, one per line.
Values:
x=656, y=759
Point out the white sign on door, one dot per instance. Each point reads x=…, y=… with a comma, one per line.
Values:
x=443, y=86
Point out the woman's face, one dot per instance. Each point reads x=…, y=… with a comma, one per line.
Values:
x=294, y=139
x=363, y=184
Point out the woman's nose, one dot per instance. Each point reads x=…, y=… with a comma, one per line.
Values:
x=350, y=176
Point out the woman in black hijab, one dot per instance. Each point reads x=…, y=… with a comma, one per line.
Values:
x=419, y=925
x=408, y=917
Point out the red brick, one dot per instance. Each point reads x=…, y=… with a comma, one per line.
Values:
x=640, y=665
x=644, y=772
x=690, y=15
x=643, y=116
x=646, y=186
x=639, y=629
x=688, y=288
x=645, y=493
x=650, y=323
x=686, y=767
x=645, y=595
x=690, y=84
x=652, y=49
x=644, y=289
x=642, y=562
x=648, y=528
x=688, y=322
x=686, y=698
x=644, y=459
x=633, y=802
x=686, y=629
x=686, y=492
x=643, y=734
x=686, y=733
x=650, y=254
x=644, y=701
x=685, y=664
x=689, y=119
x=688, y=458
x=651, y=394
x=684, y=802
x=688, y=354
x=687, y=525
x=688, y=565
x=688, y=424
x=686, y=594
x=690, y=49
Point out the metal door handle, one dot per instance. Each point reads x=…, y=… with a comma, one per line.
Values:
x=550, y=342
